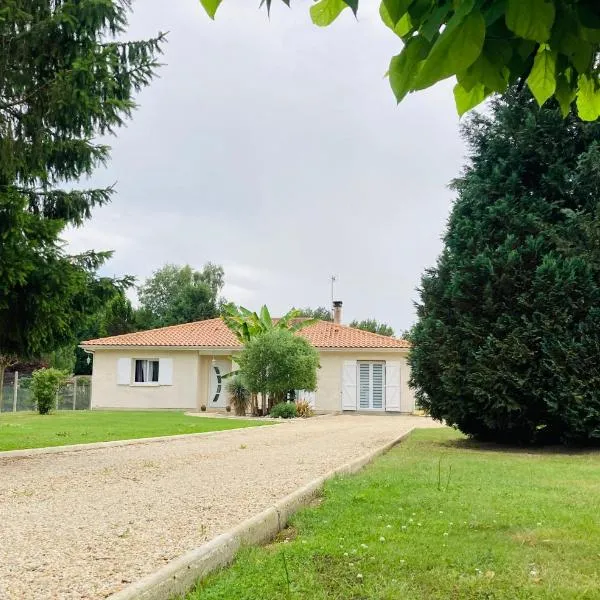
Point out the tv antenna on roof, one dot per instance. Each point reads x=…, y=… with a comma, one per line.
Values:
x=333, y=280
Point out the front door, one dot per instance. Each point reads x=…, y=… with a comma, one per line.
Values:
x=217, y=396
x=371, y=386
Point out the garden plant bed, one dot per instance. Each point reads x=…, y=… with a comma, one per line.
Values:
x=30, y=430
x=437, y=517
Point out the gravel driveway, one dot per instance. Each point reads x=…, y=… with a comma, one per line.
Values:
x=85, y=524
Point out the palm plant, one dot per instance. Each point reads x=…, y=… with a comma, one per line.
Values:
x=246, y=325
x=238, y=393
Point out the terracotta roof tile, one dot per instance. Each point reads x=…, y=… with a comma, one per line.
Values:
x=213, y=333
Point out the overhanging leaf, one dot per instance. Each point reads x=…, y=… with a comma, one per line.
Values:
x=468, y=99
x=210, y=6
x=542, y=79
x=325, y=12
x=404, y=67
x=395, y=9
x=353, y=4
x=531, y=19
x=565, y=94
x=457, y=48
x=588, y=99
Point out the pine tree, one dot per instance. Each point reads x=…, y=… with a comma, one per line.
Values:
x=65, y=80
x=507, y=344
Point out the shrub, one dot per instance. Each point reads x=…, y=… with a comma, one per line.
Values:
x=278, y=361
x=238, y=394
x=303, y=409
x=44, y=386
x=283, y=410
x=506, y=345
x=203, y=407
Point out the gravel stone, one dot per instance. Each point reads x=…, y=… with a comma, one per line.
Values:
x=83, y=525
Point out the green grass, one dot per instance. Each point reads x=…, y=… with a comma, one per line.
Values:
x=438, y=517
x=29, y=430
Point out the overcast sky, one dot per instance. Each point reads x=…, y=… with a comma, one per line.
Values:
x=276, y=149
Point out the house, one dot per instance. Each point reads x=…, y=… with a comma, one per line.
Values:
x=181, y=367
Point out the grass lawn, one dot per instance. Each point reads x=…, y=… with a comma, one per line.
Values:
x=437, y=517
x=30, y=430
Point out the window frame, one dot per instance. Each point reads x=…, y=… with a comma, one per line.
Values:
x=145, y=383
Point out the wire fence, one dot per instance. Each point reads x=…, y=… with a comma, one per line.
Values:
x=76, y=394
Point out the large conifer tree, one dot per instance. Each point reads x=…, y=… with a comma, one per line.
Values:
x=64, y=81
x=507, y=345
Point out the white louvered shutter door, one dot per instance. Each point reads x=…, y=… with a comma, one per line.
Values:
x=349, y=385
x=392, y=386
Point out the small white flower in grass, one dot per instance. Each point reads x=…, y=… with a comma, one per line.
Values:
x=353, y=550
x=382, y=539
x=451, y=523
x=445, y=534
x=414, y=514
x=304, y=541
x=441, y=512
x=410, y=520
x=364, y=546
x=403, y=527
x=345, y=554
x=350, y=564
x=359, y=576
x=419, y=523
x=539, y=524
x=388, y=526
x=402, y=561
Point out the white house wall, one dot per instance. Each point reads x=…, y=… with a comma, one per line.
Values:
x=182, y=394
x=329, y=377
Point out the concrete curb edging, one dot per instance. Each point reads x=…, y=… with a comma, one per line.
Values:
x=32, y=452
x=180, y=575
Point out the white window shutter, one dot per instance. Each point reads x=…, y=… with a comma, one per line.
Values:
x=165, y=371
x=349, y=385
x=392, y=386
x=123, y=371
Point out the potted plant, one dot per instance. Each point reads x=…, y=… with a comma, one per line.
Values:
x=228, y=408
x=203, y=407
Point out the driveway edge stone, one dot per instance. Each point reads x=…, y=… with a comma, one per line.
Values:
x=180, y=575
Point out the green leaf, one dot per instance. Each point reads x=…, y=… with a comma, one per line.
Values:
x=210, y=6
x=325, y=12
x=542, y=79
x=401, y=28
x=494, y=12
x=432, y=25
x=265, y=316
x=588, y=99
x=457, y=48
x=484, y=71
x=353, y=4
x=405, y=67
x=468, y=99
x=531, y=19
x=395, y=9
x=565, y=94
x=579, y=51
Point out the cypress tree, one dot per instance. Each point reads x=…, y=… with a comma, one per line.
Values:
x=507, y=343
x=66, y=78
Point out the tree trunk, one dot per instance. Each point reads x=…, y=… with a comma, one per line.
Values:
x=2, y=369
x=6, y=360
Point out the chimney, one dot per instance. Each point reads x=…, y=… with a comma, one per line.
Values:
x=337, y=312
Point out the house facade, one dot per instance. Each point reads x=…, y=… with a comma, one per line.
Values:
x=182, y=367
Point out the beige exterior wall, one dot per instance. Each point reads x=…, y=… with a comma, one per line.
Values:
x=329, y=377
x=191, y=380
x=183, y=393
